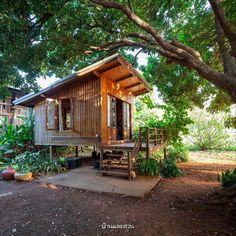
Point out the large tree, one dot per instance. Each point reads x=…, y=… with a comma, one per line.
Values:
x=40, y=38
x=150, y=37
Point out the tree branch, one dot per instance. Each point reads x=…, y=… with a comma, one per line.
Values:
x=117, y=44
x=228, y=30
x=227, y=59
x=174, y=51
x=140, y=36
x=130, y=5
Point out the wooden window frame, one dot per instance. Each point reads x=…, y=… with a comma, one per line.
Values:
x=128, y=115
x=55, y=116
x=72, y=100
x=110, y=112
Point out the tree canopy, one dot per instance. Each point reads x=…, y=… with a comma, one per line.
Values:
x=191, y=44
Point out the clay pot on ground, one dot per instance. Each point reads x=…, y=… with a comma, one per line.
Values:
x=8, y=173
x=23, y=176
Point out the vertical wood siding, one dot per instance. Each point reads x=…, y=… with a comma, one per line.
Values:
x=108, y=87
x=86, y=111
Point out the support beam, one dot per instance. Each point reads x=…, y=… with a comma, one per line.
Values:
x=129, y=165
x=123, y=78
x=96, y=73
x=76, y=151
x=164, y=150
x=50, y=152
x=140, y=92
x=132, y=85
x=110, y=67
x=147, y=142
x=101, y=158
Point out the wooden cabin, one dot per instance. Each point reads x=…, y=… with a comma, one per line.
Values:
x=14, y=114
x=93, y=106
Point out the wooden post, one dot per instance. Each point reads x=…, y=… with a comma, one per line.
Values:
x=165, y=144
x=147, y=143
x=50, y=152
x=129, y=165
x=101, y=158
x=164, y=149
x=76, y=151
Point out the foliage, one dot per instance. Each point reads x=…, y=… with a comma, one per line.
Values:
x=166, y=116
x=207, y=131
x=179, y=153
x=228, y=178
x=230, y=122
x=16, y=139
x=50, y=37
x=169, y=168
x=150, y=167
x=36, y=162
x=182, y=88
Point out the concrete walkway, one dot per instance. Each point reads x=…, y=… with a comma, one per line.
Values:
x=89, y=179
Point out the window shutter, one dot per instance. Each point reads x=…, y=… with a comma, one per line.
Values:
x=51, y=114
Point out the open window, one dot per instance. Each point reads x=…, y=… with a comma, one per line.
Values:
x=51, y=114
x=59, y=114
x=65, y=114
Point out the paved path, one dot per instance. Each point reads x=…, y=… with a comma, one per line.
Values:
x=89, y=179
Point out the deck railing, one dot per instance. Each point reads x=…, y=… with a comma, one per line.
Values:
x=152, y=136
x=5, y=108
x=13, y=113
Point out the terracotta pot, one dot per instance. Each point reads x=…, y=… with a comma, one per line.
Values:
x=8, y=173
x=19, y=176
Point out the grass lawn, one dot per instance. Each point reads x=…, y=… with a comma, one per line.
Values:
x=221, y=157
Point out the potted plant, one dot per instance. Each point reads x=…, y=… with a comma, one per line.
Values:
x=8, y=173
x=23, y=175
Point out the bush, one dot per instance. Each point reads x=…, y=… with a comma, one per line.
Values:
x=169, y=168
x=150, y=167
x=208, y=131
x=16, y=139
x=228, y=178
x=36, y=162
x=179, y=153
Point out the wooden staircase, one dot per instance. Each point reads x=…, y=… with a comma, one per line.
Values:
x=121, y=164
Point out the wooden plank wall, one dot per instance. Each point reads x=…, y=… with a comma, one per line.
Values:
x=86, y=111
x=111, y=88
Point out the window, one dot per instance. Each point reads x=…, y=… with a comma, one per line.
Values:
x=59, y=114
x=66, y=114
x=111, y=111
x=51, y=114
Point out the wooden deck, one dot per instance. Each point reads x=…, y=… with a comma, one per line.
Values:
x=149, y=140
x=128, y=146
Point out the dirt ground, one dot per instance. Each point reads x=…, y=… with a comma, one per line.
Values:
x=192, y=204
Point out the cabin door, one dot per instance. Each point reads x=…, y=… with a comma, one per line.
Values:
x=118, y=119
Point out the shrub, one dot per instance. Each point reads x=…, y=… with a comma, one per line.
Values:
x=169, y=168
x=208, y=131
x=150, y=167
x=179, y=153
x=228, y=178
x=37, y=162
x=16, y=139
